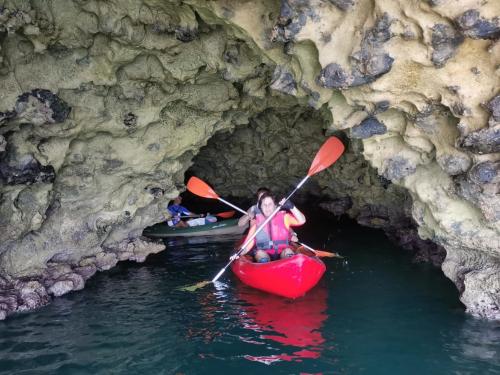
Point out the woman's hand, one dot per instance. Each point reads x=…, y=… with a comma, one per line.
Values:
x=287, y=205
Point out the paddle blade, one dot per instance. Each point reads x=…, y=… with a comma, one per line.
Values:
x=201, y=188
x=225, y=215
x=194, y=287
x=327, y=155
x=326, y=254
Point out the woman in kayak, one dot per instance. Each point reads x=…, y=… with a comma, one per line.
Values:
x=272, y=242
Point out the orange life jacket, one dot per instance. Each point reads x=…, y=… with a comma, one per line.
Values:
x=273, y=238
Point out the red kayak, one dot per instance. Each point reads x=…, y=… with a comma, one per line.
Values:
x=291, y=277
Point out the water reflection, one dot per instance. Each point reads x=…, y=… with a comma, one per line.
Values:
x=202, y=240
x=480, y=340
x=292, y=323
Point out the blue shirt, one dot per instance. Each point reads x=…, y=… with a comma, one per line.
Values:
x=176, y=210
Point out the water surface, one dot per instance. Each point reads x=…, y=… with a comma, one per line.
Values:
x=377, y=313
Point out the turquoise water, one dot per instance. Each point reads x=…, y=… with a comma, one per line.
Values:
x=377, y=313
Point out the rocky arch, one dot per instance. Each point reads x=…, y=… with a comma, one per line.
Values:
x=104, y=105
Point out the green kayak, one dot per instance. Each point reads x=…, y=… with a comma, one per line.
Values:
x=162, y=230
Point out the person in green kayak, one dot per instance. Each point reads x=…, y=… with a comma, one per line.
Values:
x=254, y=210
x=176, y=210
x=273, y=241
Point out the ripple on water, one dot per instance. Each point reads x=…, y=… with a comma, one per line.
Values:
x=377, y=314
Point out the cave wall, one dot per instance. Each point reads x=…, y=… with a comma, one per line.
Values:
x=103, y=106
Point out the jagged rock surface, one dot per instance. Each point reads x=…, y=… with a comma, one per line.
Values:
x=103, y=106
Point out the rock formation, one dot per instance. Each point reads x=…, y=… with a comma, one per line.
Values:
x=104, y=105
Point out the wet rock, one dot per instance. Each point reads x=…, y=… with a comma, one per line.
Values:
x=422, y=251
x=474, y=26
x=445, y=41
x=137, y=250
x=333, y=76
x=57, y=270
x=485, y=173
x=480, y=186
x=185, y=35
x=431, y=119
x=125, y=256
x=105, y=261
x=3, y=283
x=155, y=191
x=367, y=128
x=379, y=33
x=61, y=287
x=433, y=3
x=484, y=141
x=61, y=257
x=3, y=143
x=130, y=120
x=86, y=272
x=32, y=295
x=397, y=167
x=454, y=164
x=76, y=279
x=373, y=221
x=382, y=106
x=369, y=63
x=494, y=108
x=337, y=206
x=232, y=54
x=369, y=66
x=343, y=4
x=111, y=164
x=283, y=81
x=25, y=171
x=12, y=20
x=5, y=116
x=293, y=17
x=8, y=301
x=41, y=107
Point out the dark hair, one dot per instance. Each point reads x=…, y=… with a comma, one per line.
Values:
x=263, y=190
x=264, y=196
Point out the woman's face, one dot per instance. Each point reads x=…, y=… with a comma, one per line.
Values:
x=267, y=206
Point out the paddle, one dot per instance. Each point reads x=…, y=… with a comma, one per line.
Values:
x=322, y=253
x=226, y=214
x=201, y=188
x=329, y=152
x=223, y=215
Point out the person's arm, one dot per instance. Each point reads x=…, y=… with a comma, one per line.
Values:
x=299, y=216
x=186, y=212
x=295, y=217
x=243, y=221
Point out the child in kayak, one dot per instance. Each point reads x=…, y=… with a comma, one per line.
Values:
x=272, y=242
